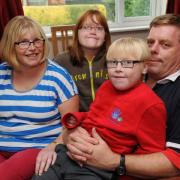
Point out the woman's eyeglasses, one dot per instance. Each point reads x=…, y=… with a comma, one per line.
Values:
x=26, y=44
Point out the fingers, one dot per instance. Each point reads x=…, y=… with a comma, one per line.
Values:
x=44, y=160
x=78, y=159
x=54, y=158
x=80, y=150
x=41, y=167
x=78, y=155
x=40, y=164
x=96, y=135
x=83, y=139
x=48, y=163
x=81, y=130
x=81, y=145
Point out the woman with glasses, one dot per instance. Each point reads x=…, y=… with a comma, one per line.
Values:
x=35, y=93
x=124, y=113
x=85, y=59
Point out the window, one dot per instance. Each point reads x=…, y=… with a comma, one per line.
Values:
x=138, y=12
x=119, y=13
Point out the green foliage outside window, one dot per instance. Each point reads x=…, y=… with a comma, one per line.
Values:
x=49, y=15
x=62, y=14
x=109, y=4
x=137, y=8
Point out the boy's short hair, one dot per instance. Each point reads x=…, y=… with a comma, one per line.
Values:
x=13, y=32
x=136, y=47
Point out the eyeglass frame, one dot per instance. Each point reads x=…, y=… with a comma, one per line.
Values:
x=122, y=62
x=90, y=28
x=19, y=44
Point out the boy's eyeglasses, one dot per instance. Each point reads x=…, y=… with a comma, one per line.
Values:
x=124, y=63
x=90, y=28
x=26, y=44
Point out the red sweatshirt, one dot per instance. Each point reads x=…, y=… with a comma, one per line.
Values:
x=133, y=120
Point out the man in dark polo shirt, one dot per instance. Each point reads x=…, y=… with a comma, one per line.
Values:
x=164, y=78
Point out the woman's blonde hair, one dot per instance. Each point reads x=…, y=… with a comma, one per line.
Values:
x=14, y=31
x=130, y=46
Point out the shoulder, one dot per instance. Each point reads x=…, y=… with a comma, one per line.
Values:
x=59, y=75
x=63, y=57
x=177, y=82
x=56, y=69
x=5, y=72
x=147, y=94
x=4, y=66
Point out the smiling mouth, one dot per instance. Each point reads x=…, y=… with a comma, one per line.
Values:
x=32, y=55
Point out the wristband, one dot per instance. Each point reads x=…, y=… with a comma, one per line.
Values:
x=121, y=169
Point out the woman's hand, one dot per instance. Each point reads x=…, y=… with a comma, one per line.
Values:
x=45, y=158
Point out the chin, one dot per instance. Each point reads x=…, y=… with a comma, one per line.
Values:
x=93, y=46
x=121, y=88
x=153, y=71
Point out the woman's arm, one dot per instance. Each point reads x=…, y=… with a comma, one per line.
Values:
x=47, y=156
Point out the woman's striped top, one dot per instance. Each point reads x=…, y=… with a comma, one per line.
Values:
x=31, y=119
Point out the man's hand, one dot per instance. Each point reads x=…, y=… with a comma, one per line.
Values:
x=102, y=156
x=79, y=143
x=90, y=150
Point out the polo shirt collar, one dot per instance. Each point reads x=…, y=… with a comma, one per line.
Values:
x=169, y=78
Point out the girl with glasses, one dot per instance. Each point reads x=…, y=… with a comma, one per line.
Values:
x=86, y=58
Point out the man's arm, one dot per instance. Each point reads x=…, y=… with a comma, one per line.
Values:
x=150, y=165
x=154, y=165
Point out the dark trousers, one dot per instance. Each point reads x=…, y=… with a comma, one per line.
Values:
x=66, y=169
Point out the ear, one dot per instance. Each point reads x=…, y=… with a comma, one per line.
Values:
x=145, y=69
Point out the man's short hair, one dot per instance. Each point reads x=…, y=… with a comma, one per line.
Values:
x=168, y=19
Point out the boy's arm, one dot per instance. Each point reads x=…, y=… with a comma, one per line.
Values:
x=72, y=120
x=151, y=131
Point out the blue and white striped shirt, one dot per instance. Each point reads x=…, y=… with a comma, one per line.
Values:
x=31, y=119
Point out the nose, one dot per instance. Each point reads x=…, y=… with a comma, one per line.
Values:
x=93, y=30
x=119, y=66
x=31, y=45
x=154, y=48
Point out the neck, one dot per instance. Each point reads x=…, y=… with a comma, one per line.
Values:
x=90, y=53
x=29, y=71
x=151, y=82
x=27, y=78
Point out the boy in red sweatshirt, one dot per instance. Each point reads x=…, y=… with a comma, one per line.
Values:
x=126, y=113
